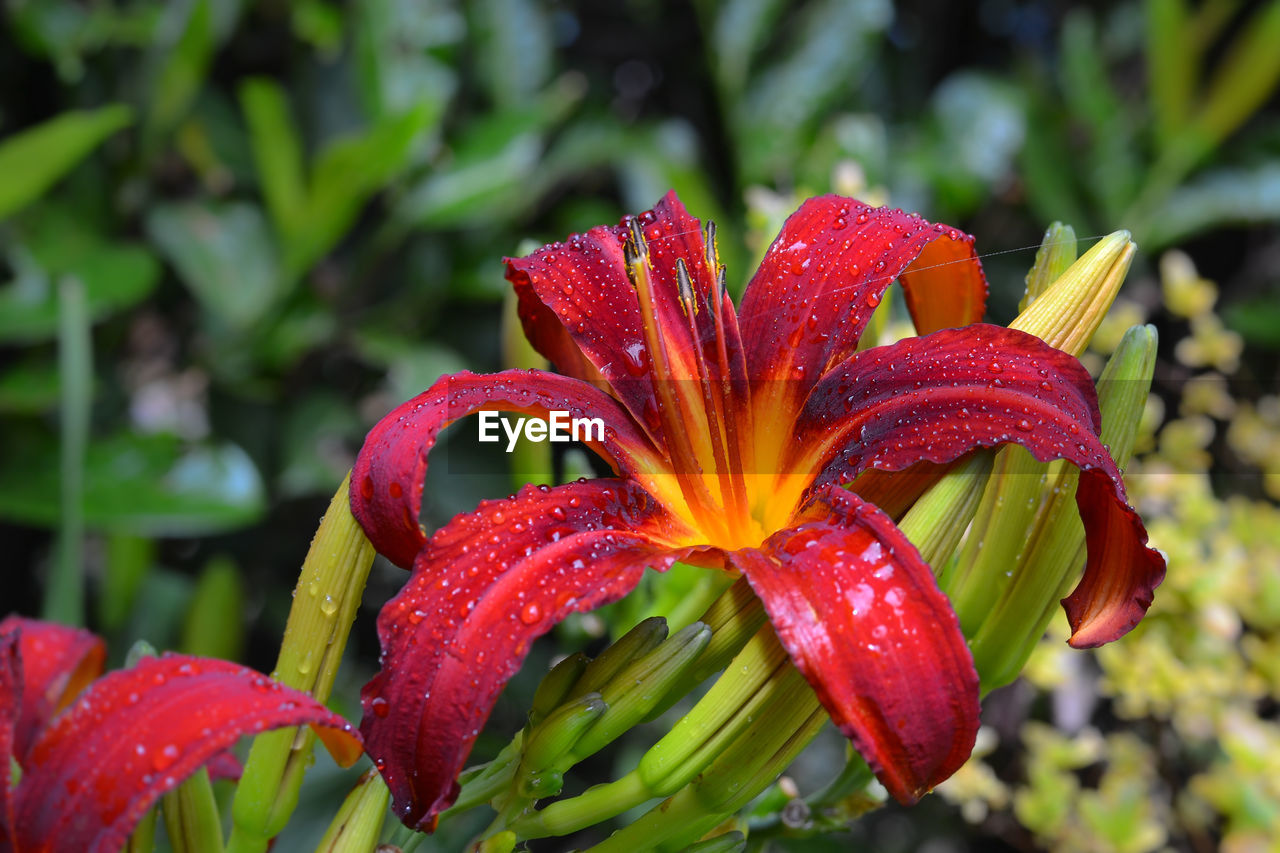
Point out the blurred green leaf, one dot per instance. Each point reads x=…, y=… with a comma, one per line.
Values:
x=515, y=48
x=1111, y=166
x=318, y=434
x=215, y=615
x=277, y=151
x=347, y=174
x=114, y=278
x=1173, y=66
x=33, y=159
x=832, y=45
x=1257, y=320
x=129, y=560
x=320, y=23
x=982, y=126
x=223, y=254
x=1245, y=78
x=151, y=485
x=28, y=388
x=1214, y=199
x=402, y=53
x=187, y=54
x=738, y=31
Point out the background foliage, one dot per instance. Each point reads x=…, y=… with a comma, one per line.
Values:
x=232, y=235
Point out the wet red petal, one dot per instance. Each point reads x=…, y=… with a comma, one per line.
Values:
x=486, y=585
x=825, y=274
x=58, y=662
x=10, y=703
x=137, y=733
x=936, y=398
x=864, y=621
x=387, y=480
x=576, y=295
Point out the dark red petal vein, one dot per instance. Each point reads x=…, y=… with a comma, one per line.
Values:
x=137, y=733
x=825, y=274
x=935, y=398
x=387, y=480
x=57, y=663
x=864, y=621
x=486, y=585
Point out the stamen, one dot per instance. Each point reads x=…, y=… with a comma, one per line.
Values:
x=674, y=418
x=734, y=398
x=732, y=492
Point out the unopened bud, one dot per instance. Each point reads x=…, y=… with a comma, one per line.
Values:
x=358, y=823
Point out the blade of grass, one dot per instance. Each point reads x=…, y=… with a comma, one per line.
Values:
x=64, y=596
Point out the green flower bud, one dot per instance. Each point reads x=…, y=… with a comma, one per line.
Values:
x=358, y=824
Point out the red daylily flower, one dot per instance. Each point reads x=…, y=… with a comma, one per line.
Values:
x=732, y=434
x=97, y=754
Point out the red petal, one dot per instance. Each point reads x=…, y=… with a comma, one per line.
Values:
x=488, y=583
x=864, y=621
x=137, y=733
x=936, y=398
x=10, y=702
x=579, y=290
x=386, y=497
x=824, y=275
x=57, y=663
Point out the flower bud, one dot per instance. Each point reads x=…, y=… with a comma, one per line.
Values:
x=325, y=601
x=358, y=824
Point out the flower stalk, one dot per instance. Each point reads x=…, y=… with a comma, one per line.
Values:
x=325, y=602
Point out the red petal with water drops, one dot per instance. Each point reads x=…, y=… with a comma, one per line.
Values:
x=486, y=585
x=58, y=662
x=10, y=703
x=137, y=733
x=864, y=621
x=935, y=398
x=825, y=274
x=581, y=286
x=387, y=480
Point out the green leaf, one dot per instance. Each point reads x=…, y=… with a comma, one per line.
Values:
x=1246, y=77
x=833, y=45
x=150, y=485
x=1257, y=320
x=347, y=174
x=31, y=161
x=492, y=171
x=403, y=51
x=1214, y=199
x=28, y=388
x=738, y=32
x=1173, y=65
x=277, y=152
x=215, y=616
x=182, y=70
x=114, y=278
x=1111, y=167
x=224, y=256
x=515, y=48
